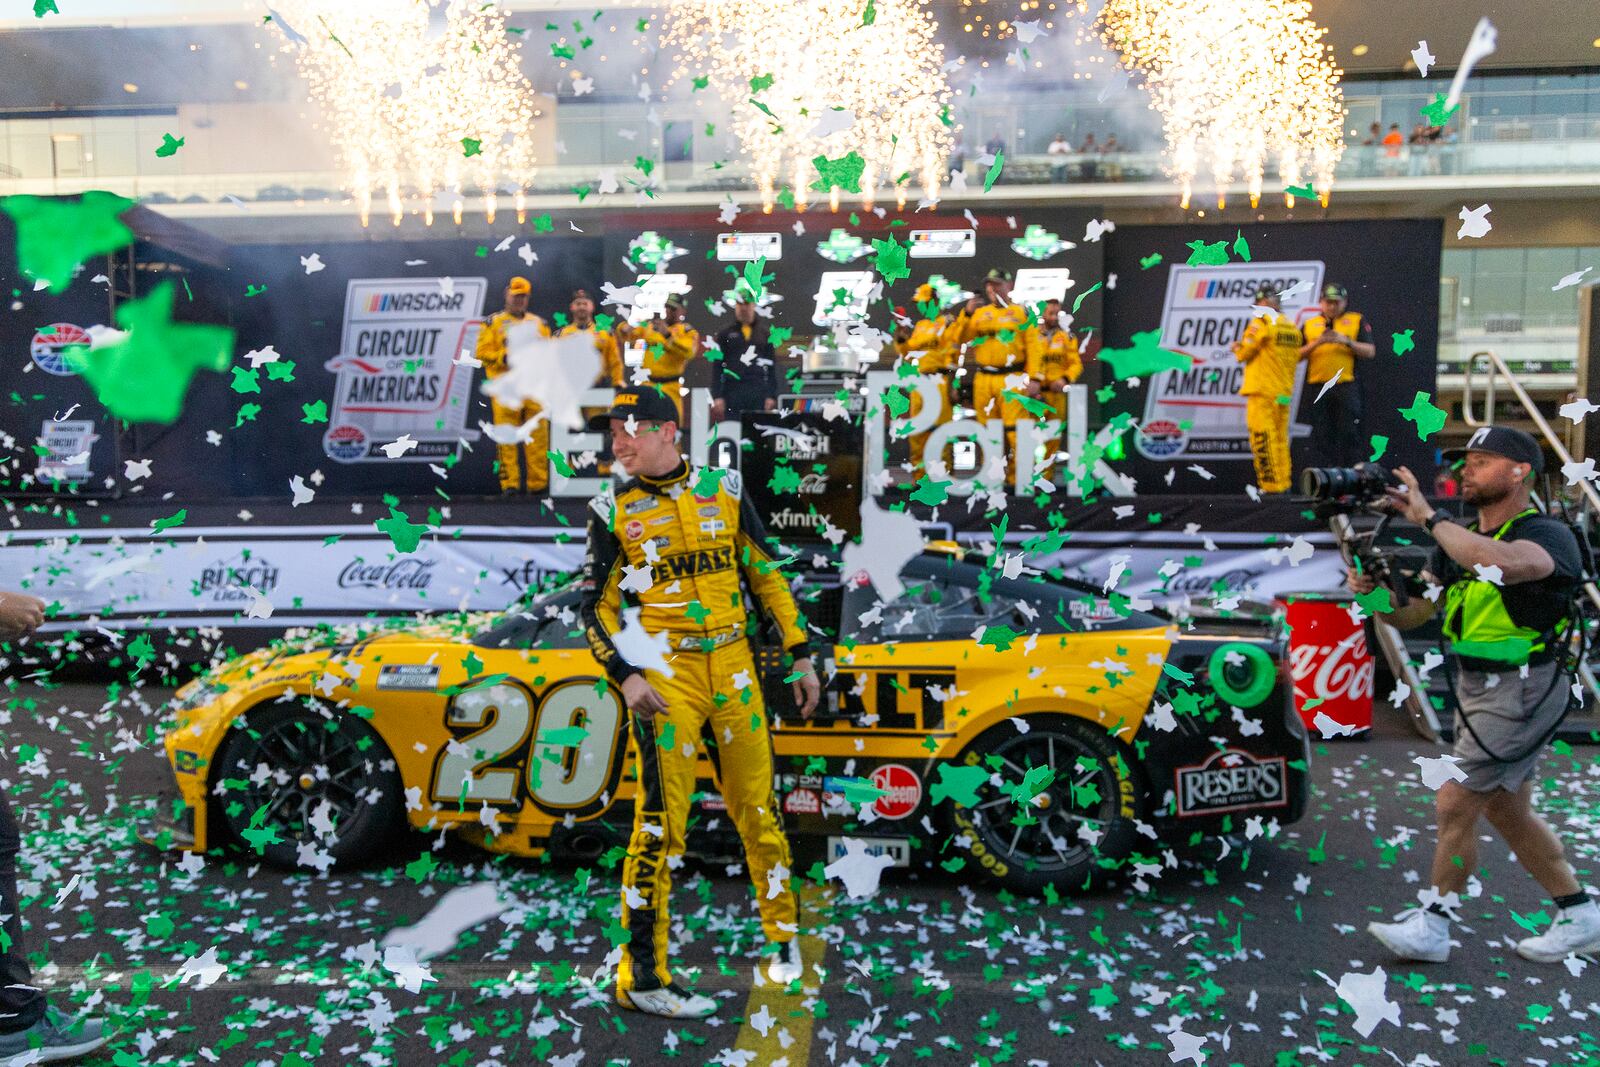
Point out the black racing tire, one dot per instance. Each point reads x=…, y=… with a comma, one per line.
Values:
x=1026, y=859
x=310, y=758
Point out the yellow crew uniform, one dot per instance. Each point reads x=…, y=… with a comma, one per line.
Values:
x=1052, y=356
x=667, y=351
x=929, y=349
x=491, y=352
x=997, y=337
x=1269, y=350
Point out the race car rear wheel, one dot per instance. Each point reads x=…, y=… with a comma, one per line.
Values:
x=308, y=780
x=1028, y=846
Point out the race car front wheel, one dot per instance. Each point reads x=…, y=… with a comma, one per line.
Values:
x=1058, y=808
x=302, y=789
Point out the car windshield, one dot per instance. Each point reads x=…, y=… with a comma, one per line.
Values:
x=546, y=614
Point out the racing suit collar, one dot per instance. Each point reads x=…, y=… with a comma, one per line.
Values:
x=665, y=483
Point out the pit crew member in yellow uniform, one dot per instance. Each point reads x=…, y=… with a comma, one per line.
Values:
x=669, y=344
x=581, y=310
x=491, y=352
x=664, y=538
x=1053, y=364
x=926, y=345
x=1270, y=351
x=996, y=334
x=1332, y=342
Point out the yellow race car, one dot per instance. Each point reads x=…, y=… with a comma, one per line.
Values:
x=1031, y=729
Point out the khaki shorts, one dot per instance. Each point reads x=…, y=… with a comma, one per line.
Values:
x=1501, y=708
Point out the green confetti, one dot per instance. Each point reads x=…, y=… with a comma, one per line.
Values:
x=959, y=784
x=998, y=638
x=761, y=82
x=1078, y=303
x=1144, y=356
x=1380, y=445
x=930, y=491
x=1378, y=601
x=1241, y=247
x=558, y=461
x=1202, y=254
x=843, y=173
x=891, y=259
x=420, y=868
x=55, y=235
x=405, y=534
x=1146, y=262
x=169, y=145
x=41, y=8
x=1428, y=417
x=993, y=173
x=1301, y=192
x=869, y=14
x=143, y=376
x=1403, y=342
x=163, y=525
x=1436, y=112
x=471, y=146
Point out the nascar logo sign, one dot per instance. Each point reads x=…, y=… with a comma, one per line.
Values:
x=1197, y=412
x=396, y=372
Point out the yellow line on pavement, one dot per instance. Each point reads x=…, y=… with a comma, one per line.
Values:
x=788, y=1037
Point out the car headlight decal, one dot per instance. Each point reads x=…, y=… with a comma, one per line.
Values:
x=1242, y=674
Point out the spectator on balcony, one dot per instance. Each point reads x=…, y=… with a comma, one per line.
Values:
x=1090, y=150
x=1113, y=153
x=1417, y=143
x=957, y=163
x=1392, y=143
x=1369, y=150
x=1060, y=149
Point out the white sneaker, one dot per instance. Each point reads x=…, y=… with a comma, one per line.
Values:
x=1575, y=930
x=671, y=1002
x=783, y=965
x=1416, y=934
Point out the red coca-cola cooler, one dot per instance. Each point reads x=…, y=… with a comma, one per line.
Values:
x=1332, y=666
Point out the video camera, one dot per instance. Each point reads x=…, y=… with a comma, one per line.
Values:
x=1336, y=493
x=1347, y=488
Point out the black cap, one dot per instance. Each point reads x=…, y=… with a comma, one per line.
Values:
x=1515, y=445
x=582, y=294
x=673, y=301
x=997, y=275
x=1335, y=291
x=1266, y=291
x=646, y=403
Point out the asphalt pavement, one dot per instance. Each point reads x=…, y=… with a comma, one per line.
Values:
x=1231, y=956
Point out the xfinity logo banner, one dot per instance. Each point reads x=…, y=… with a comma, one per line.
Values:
x=1198, y=412
x=396, y=372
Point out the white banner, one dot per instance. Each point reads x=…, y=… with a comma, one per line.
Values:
x=1198, y=413
x=396, y=371
x=216, y=576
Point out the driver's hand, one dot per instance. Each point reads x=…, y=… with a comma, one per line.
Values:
x=807, y=688
x=642, y=698
x=1357, y=583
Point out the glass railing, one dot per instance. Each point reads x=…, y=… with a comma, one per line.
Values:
x=71, y=154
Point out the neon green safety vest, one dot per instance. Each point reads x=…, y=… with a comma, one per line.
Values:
x=1477, y=624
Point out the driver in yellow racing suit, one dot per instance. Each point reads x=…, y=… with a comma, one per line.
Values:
x=926, y=346
x=1270, y=351
x=676, y=544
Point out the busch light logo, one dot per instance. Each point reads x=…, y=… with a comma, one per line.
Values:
x=229, y=581
x=401, y=574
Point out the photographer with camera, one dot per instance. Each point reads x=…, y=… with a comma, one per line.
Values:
x=1507, y=583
